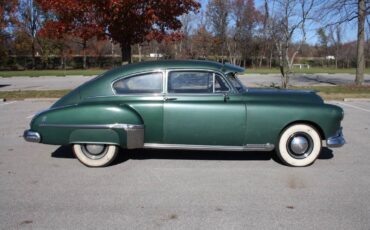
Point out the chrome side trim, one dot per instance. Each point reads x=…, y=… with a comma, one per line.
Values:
x=249, y=147
x=337, y=140
x=96, y=126
x=31, y=136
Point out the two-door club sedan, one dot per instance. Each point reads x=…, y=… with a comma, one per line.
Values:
x=192, y=105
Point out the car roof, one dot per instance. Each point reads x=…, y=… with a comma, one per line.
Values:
x=174, y=64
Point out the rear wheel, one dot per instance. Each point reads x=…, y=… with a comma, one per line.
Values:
x=95, y=155
x=299, y=145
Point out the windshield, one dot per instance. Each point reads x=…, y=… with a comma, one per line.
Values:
x=236, y=82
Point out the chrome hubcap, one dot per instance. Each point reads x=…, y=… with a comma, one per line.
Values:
x=300, y=145
x=94, y=151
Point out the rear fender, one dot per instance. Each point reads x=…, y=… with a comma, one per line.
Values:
x=87, y=123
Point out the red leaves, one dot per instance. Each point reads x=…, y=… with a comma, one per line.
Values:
x=125, y=21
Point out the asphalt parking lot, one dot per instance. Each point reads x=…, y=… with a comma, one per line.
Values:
x=45, y=187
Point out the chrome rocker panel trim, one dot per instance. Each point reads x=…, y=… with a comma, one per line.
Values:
x=249, y=147
x=336, y=141
x=31, y=136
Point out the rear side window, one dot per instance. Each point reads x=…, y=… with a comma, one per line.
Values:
x=190, y=82
x=143, y=83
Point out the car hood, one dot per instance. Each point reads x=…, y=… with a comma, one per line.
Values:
x=284, y=95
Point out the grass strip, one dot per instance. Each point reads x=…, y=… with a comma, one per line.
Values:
x=313, y=70
x=58, y=73
x=20, y=95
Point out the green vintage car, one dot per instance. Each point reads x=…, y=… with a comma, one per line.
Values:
x=192, y=105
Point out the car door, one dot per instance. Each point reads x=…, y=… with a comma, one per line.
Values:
x=201, y=108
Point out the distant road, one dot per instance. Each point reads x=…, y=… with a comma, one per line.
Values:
x=251, y=80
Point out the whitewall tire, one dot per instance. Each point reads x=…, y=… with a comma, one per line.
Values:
x=94, y=155
x=299, y=145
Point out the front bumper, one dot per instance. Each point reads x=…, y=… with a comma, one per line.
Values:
x=31, y=136
x=336, y=141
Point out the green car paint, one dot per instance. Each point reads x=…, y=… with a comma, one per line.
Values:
x=93, y=113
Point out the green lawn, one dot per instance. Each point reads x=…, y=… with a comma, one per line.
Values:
x=20, y=95
x=340, y=92
x=310, y=71
x=59, y=73
x=90, y=72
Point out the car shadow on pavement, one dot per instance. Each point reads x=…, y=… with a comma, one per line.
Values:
x=326, y=154
x=64, y=151
x=145, y=154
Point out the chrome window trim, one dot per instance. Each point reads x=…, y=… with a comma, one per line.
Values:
x=163, y=72
x=214, y=72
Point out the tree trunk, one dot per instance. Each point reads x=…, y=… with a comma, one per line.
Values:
x=33, y=54
x=360, y=43
x=126, y=53
x=84, y=65
x=139, y=48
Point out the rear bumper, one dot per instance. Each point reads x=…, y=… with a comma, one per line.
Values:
x=31, y=136
x=337, y=140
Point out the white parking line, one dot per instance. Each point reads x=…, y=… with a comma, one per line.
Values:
x=353, y=106
x=30, y=116
x=8, y=103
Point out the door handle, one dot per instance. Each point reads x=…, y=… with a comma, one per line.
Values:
x=226, y=97
x=169, y=98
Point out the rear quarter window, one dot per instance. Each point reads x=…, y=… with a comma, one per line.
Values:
x=142, y=83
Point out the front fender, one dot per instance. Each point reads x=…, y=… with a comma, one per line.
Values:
x=265, y=121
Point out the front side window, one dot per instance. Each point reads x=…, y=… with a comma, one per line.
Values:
x=190, y=82
x=143, y=83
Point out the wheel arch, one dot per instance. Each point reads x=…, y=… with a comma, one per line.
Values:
x=306, y=122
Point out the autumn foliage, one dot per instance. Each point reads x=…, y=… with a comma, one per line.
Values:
x=126, y=22
x=7, y=10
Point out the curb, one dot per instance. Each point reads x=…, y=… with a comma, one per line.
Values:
x=356, y=99
x=41, y=99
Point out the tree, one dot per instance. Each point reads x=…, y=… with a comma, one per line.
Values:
x=335, y=38
x=201, y=40
x=285, y=20
x=246, y=19
x=7, y=13
x=345, y=11
x=7, y=19
x=30, y=22
x=323, y=40
x=218, y=16
x=126, y=22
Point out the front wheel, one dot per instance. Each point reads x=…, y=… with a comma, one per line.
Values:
x=95, y=155
x=299, y=145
